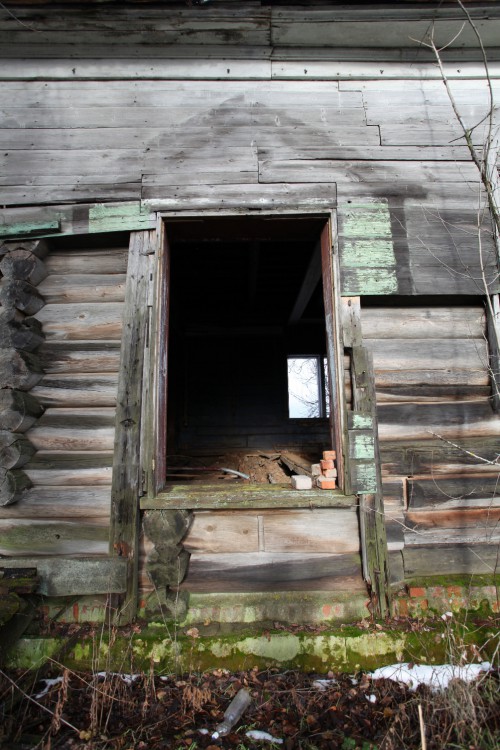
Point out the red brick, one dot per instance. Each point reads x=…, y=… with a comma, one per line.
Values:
x=416, y=591
x=324, y=483
x=327, y=463
x=330, y=455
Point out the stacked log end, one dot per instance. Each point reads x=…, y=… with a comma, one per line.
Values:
x=22, y=269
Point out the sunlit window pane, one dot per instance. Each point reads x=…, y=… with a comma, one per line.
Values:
x=304, y=388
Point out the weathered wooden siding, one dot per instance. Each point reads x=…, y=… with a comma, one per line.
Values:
x=438, y=436
x=112, y=114
x=271, y=550
x=387, y=152
x=67, y=509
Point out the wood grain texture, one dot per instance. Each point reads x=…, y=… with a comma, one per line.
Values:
x=70, y=576
x=72, y=501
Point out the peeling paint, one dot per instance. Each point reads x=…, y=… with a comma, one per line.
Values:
x=104, y=217
x=363, y=446
x=369, y=252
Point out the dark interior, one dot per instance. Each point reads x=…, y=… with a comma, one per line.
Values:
x=244, y=294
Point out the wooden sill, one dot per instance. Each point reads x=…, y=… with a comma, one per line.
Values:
x=201, y=496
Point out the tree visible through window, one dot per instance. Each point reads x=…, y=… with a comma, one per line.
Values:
x=308, y=387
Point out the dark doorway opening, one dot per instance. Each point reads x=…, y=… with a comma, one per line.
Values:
x=246, y=297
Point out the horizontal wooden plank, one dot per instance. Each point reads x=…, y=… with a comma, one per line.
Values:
x=223, y=532
x=43, y=473
x=74, y=219
x=426, y=560
x=261, y=571
x=362, y=152
x=152, y=93
x=136, y=70
x=80, y=356
x=481, y=519
x=126, y=163
x=61, y=537
x=70, y=190
x=83, y=288
x=301, y=196
x=344, y=172
x=77, y=389
x=334, y=531
x=438, y=490
x=63, y=429
x=97, y=320
x=455, y=421
x=432, y=354
x=423, y=322
x=486, y=534
x=98, y=261
x=337, y=71
x=436, y=458
x=69, y=576
x=245, y=496
x=66, y=502
x=279, y=135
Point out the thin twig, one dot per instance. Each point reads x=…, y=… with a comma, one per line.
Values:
x=464, y=450
x=40, y=705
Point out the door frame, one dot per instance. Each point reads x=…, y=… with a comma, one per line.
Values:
x=154, y=446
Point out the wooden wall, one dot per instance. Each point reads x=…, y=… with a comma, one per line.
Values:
x=438, y=435
x=387, y=152
x=246, y=109
x=67, y=509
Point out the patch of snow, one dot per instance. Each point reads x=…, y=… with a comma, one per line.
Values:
x=323, y=684
x=437, y=677
x=128, y=679
x=48, y=684
x=256, y=734
x=371, y=698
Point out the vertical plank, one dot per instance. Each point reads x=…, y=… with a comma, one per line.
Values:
x=372, y=523
x=127, y=479
x=335, y=361
x=161, y=348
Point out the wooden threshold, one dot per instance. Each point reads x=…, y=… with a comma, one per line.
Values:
x=245, y=496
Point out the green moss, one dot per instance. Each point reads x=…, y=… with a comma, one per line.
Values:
x=465, y=581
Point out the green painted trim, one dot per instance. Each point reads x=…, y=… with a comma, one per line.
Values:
x=360, y=281
x=360, y=421
x=362, y=446
x=27, y=228
x=106, y=217
x=375, y=253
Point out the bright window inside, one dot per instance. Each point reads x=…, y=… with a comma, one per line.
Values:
x=308, y=387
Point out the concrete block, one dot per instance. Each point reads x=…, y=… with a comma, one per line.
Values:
x=315, y=470
x=301, y=482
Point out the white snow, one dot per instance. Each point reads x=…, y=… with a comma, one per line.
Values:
x=371, y=698
x=323, y=684
x=437, y=677
x=256, y=734
x=128, y=679
x=48, y=684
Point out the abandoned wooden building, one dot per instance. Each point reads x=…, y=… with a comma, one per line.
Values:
x=235, y=235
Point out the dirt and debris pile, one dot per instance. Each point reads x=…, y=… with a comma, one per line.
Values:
x=259, y=467
x=291, y=710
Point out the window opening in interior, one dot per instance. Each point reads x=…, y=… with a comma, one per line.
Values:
x=308, y=396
